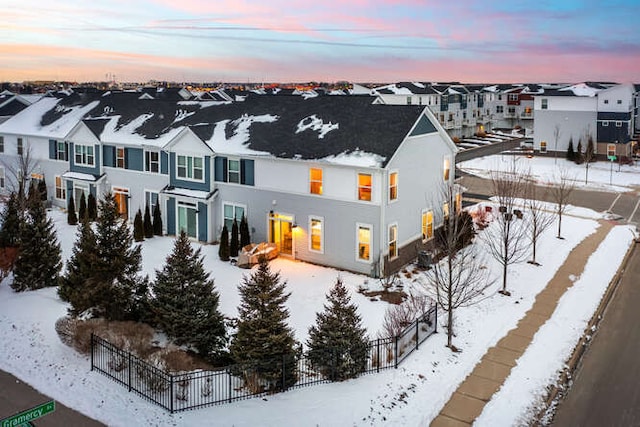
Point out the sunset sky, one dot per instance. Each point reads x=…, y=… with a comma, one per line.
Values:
x=355, y=40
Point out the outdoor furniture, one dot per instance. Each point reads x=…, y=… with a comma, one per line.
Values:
x=250, y=254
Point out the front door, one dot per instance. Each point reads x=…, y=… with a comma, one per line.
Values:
x=281, y=232
x=187, y=219
x=122, y=200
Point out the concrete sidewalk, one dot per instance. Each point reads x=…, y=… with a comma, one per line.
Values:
x=468, y=401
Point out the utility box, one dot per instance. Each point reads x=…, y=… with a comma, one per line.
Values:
x=425, y=259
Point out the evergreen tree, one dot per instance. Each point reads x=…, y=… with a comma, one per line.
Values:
x=245, y=238
x=138, y=227
x=223, y=250
x=157, y=220
x=338, y=343
x=42, y=189
x=82, y=209
x=76, y=286
x=11, y=220
x=39, y=260
x=571, y=154
x=233, y=246
x=148, y=225
x=185, y=305
x=92, y=207
x=263, y=339
x=72, y=219
x=578, y=158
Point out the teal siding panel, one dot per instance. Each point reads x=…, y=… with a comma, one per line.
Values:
x=171, y=216
x=134, y=158
x=164, y=162
x=202, y=222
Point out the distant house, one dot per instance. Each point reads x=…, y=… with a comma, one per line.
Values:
x=334, y=180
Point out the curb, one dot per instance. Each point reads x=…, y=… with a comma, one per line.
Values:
x=576, y=355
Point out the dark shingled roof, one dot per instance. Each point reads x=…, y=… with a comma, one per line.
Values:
x=377, y=129
x=11, y=107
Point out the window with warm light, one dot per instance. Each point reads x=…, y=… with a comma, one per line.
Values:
x=393, y=185
x=315, y=234
x=393, y=241
x=446, y=166
x=364, y=187
x=427, y=225
x=364, y=242
x=315, y=180
x=445, y=210
x=120, y=157
x=61, y=190
x=611, y=150
x=121, y=195
x=543, y=146
x=458, y=202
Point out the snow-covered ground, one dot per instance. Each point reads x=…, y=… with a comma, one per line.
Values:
x=411, y=395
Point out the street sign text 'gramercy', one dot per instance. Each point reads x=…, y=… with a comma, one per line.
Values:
x=29, y=415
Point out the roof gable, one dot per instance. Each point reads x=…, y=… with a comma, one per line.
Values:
x=423, y=126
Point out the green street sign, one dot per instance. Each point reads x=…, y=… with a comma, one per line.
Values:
x=612, y=158
x=29, y=415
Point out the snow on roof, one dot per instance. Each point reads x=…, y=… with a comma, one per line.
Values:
x=581, y=89
x=196, y=194
x=357, y=158
x=237, y=142
x=316, y=124
x=80, y=176
x=418, y=84
x=29, y=121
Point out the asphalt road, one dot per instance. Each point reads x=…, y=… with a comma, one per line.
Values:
x=16, y=396
x=624, y=204
x=606, y=387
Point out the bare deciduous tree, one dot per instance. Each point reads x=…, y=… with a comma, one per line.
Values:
x=561, y=194
x=18, y=173
x=538, y=218
x=506, y=237
x=460, y=279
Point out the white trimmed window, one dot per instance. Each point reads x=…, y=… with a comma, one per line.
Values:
x=544, y=104
x=2, y=183
x=233, y=171
x=393, y=186
x=150, y=199
x=152, y=161
x=61, y=188
x=120, y=157
x=611, y=150
x=1, y=144
x=364, y=186
x=315, y=180
x=316, y=234
x=61, y=150
x=543, y=146
x=231, y=211
x=618, y=124
x=20, y=146
x=393, y=241
x=190, y=167
x=446, y=168
x=84, y=155
x=79, y=189
x=363, y=237
x=605, y=123
x=427, y=225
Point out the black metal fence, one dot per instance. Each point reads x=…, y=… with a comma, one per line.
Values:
x=183, y=391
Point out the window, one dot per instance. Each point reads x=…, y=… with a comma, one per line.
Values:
x=618, y=124
x=499, y=97
x=188, y=219
x=316, y=237
x=152, y=161
x=393, y=241
x=233, y=171
x=544, y=103
x=231, y=211
x=61, y=189
x=150, y=199
x=120, y=157
x=513, y=97
x=619, y=101
x=512, y=110
x=458, y=202
x=315, y=181
x=20, y=147
x=606, y=101
x=84, y=155
x=499, y=109
x=446, y=167
x=393, y=185
x=611, y=150
x=122, y=200
x=364, y=242
x=605, y=123
x=61, y=150
x=190, y=168
x=2, y=183
x=1, y=144
x=445, y=210
x=408, y=100
x=78, y=190
x=364, y=187
x=427, y=225
x=543, y=146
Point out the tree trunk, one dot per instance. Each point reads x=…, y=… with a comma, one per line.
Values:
x=559, y=224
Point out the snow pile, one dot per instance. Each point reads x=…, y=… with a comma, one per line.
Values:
x=237, y=144
x=581, y=89
x=357, y=158
x=315, y=123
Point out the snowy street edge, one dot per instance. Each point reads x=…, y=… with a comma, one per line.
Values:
x=556, y=392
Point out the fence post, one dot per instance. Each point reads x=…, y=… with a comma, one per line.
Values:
x=417, y=329
x=129, y=371
x=396, y=361
x=92, y=349
x=378, y=354
x=171, y=393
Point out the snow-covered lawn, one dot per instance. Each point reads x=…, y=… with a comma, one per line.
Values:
x=602, y=174
x=412, y=395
